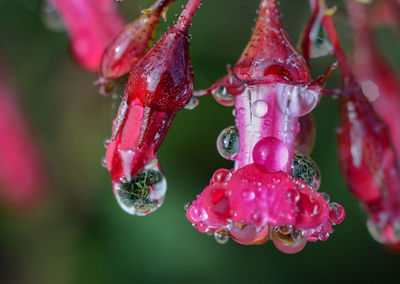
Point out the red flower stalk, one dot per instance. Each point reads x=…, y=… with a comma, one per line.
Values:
x=160, y=84
x=22, y=173
x=90, y=25
x=271, y=193
x=366, y=153
x=130, y=45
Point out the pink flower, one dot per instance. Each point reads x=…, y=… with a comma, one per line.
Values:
x=367, y=157
x=271, y=193
x=130, y=45
x=90, y=25
x=159, y=85
x=22, y=172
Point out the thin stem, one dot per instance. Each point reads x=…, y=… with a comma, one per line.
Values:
x=187, y=14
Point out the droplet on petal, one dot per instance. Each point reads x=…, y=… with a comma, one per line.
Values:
x=192, y=104
x=271, y=153
x=222, y=96
x=221, y=238
x=259, y=108
x=305, y=168
x=296, y=100
x=221, y=176
x=288, y=240
x=143, y=194
x=336, y=213
x=228, y=143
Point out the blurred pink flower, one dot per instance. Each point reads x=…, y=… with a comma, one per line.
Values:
x=22, y=172
x=90, y=25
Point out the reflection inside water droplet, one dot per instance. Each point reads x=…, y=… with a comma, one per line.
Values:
x=144, y=194
x=228, y=143
x=222, y=96
x=305, y=168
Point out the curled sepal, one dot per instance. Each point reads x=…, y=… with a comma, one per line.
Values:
x=90, y=25
x=130, y=45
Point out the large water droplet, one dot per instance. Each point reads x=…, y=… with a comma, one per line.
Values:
x=192, y=103
x=221, y=238
x=336, y=213
x=296, y=101
x=144, y=194
x=305, y=168
x=271, y=153
x=222, y=96
x=320, y=44
x=228, y=143
x=51, y=18
x=259, y=108
x=388, y=234
x=288, y=239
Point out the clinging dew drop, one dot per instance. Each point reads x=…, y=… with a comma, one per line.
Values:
x=305, y=168
x=228, y=143
x=222, y=96
x=145, y=193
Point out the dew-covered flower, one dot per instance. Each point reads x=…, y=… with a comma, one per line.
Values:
x=159, y=85
x=272, y=191
x=90, y=25
x=367, y=155
x=22, y=171
x=130, y=45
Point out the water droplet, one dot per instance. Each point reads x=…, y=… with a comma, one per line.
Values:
x=305, y=168
x=288, y=239
x=51, y=18
x=259, y=108
x=296, y=100
x=248, y=195
x=222, y=96
x=320, y=44
x=292, y=196
x=221, y=238
x=271, y=153
x=336, y=213
x=326, y=196
x=103, y=162
x=192, y=103
x=186, y=206
x=234, y=112
x=107, y=142
x=144, y=194
x=228, y=143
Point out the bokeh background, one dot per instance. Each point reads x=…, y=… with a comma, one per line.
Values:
x=78, y=234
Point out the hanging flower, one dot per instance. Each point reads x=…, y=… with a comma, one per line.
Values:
x=366, y=153
x=272, y=191
x=159, y=85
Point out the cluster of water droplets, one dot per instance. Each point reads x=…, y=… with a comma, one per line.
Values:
x=143, y=194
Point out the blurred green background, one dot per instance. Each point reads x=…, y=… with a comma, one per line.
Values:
x=80, y=235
